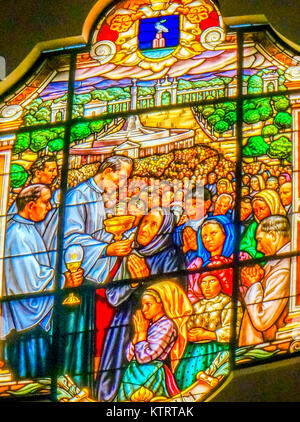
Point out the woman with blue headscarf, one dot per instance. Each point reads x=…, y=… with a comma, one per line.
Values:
x=216, y=239
x=154, y=253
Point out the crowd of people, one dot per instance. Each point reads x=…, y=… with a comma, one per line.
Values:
x=157, y=334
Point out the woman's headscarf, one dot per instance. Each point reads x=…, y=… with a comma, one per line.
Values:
x=229, y=242
x=261, y=181
x=178, y=308
x=225, y=276
x=286, y=176
x=228, y=184
x=272, y=199
x=163, y=239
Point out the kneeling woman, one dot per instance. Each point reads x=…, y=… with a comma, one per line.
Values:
x=208, y=329
x=160, y=337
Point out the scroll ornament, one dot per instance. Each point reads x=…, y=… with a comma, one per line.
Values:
x=212, y=37
x=10, y=113
x=103, y=51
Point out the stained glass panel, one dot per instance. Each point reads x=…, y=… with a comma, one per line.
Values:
x=41, y=99
x=268, y=65
x=149, y=285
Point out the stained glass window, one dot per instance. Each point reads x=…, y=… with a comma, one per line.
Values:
x=149, y=208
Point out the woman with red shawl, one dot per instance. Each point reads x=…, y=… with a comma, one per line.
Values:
x=208, y=327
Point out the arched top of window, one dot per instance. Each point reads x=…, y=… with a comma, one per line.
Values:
x=148, y=40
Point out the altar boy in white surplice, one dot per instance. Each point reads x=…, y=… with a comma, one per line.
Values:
x=26, y=323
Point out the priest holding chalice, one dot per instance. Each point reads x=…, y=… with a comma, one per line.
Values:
x=85, y=214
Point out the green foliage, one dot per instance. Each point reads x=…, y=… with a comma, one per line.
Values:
x=281, y=149
x=220, y=112
x=268, y=131
x=56, y=145
x=43, y=113
x=255, y=147
x=98, y=125
x=227, y=106
x=281, y=81
x=22, y=143
x=208, y=110
x=213, y=119
x=166, y=98
x=78, y=111
x=255, y=85
x=265, y=112
x=230, y=118
x=118, y=93
x=40, y=138
x=146, y=90
x=38, y=112
x=257, y=110
x=58, y=132
x=18, y=176
x=183, y=84
x=251, y=116
x=248, y=105
x=282, y=104
x=61, y=99
x=33, y=106
x=101, y=94
x=80, y=131
x=82, y=99
x=283, y=120
x=221, y=126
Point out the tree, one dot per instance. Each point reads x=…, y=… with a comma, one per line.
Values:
x=248, y=105
x=208, y=110
x=29, y=120
x=265, y=112
x=281, y=149
x=146, y=90
x=118, y=93
x=80, y=131
x=255, y=147
x=183, y=84
x=77, y=111
x=101, y=94
x=80, y=99
x=39, y=140
x=43, y=114
x=18, y=176
x=33, y=107
x=221, y=126
x=281, y=104
x=213, y=119
x=269, y=131
x=283, y=120
x=255, y=84
x=56, y=145
x=251, y=117
x=220, y=112
x=230, y=118
x=22, y=143
x=61, y=99
x=97, y=125
x=227, y=106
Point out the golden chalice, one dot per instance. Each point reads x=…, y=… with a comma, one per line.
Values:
x=73, y=259
x=118, y=225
